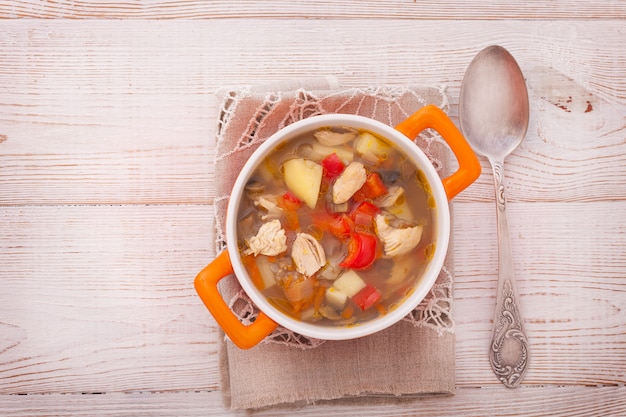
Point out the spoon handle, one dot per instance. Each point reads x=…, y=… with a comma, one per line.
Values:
x=508, y=354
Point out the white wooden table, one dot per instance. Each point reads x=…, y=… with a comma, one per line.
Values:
x=107, y=121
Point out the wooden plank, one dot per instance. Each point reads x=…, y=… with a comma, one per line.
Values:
x=318, y=9
x=493, y=401
x=102, y=122
x=100, y=298
x=569, y=263
x=116, y=112
x=85, y=133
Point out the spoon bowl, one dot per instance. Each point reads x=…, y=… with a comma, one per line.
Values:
x=494, y=103
x=494, y=115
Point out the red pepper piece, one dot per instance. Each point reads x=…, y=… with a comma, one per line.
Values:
x=339, y=225
x=332, y=166
x=290, y=201
x=367, y=297
x=362, y=251
x=365, y=207
x=372, y=189
x=363, y=215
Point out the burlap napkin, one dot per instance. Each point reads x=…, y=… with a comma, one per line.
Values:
x=415, y=357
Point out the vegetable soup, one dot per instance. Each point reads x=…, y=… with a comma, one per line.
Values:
x=336, y=226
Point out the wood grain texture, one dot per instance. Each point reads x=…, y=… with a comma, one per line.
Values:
x=91, y=304
x=85, y=291
x=570, y=265
x=106, y=191
x=494, y=401
x=317, y=9
x=114, y=112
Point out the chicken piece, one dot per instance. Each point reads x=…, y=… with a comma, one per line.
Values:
x=269, y=204
x=270, y=240
x=331, y=138
x=394, y=202
x=391, y=198
x=403, y=266
x=307, y=254
x=397, y=240
x=349, y=182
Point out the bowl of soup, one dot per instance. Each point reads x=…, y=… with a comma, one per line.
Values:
x=337, y=227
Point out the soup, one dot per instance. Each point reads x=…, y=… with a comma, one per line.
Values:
x=336, y=226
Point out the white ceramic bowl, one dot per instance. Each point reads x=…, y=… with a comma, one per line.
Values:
x=442, y=191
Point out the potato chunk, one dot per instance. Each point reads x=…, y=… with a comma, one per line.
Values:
x=349, y=283
x=335, y=298
x=370, y=147
x=303, y=177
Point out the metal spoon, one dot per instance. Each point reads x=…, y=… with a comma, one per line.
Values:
x=493, y=112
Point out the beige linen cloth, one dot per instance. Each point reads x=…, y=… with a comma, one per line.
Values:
x=415, y=357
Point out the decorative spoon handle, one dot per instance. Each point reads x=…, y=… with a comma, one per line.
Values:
x=508, y=353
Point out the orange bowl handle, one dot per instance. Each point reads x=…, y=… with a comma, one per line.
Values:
x=205, y=283
x=433, y=117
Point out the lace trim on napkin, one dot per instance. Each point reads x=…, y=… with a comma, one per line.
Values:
x=381, y=103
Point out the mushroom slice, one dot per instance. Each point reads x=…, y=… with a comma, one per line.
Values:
x=307, y=254
x=349, y=182
x=397, y=240
x=391, y=198
x=331, y=138
x=254, y=187
x=329, y=313
x=270, y=240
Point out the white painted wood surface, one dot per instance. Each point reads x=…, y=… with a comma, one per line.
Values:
x=106, y=185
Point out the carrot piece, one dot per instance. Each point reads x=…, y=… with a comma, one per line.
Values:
x=290, y=205
x=347, y=312
x=381, y=309
x=293, y=222
x=298, y=306
x=320, y=292
x=249, y=262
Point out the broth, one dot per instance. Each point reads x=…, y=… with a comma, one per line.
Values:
x=336, y=226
